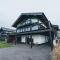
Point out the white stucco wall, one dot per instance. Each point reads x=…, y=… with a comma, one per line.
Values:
x=38, y=39
x=23, y=38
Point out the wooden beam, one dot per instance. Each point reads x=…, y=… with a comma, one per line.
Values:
x=37, y=31
x=31, y=33
x=16, y=37
x=50, y=36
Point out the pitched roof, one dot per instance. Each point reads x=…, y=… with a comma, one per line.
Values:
x=39, y=15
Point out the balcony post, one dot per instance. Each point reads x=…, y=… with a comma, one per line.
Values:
x=50, y=36
x=31, y=34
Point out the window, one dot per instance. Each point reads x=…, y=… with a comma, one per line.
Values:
x=23, y=23
x=18, y=30
x=34, y=20
x=23, y=29
x=35, y=27
x=39, y=21
x=18, y=25
x=27, y=21
x=26, y=29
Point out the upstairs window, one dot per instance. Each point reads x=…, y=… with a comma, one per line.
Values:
x=27, y=21
x=23, y=23
x=23, y=29
x=35, y=27
x=18, y=30
x=27, y=29
x=18, y=25
x=40, y=21
x=34, y=20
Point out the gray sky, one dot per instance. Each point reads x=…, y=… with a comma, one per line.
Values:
x=11, y=9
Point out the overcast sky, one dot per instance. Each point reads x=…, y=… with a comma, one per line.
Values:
x=11, y=9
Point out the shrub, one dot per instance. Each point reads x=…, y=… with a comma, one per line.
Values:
x=2, y=39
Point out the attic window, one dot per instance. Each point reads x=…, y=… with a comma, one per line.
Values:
x=35, y=27
x=34, y=20
x=39, y=21
x=27, y=21
x=18, y=30
x=18, y=25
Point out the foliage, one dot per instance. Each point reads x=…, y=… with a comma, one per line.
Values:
x=2, y=39
x=3, y=44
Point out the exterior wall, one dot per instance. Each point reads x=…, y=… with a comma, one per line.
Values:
x=25, y=26
x=11, y=39
x=23, y=38
x=37, y=39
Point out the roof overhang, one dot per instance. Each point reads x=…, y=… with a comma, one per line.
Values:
x=39, y=15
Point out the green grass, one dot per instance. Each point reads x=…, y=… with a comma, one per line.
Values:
x=3, y=44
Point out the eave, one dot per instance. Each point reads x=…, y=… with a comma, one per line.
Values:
x=23, y=16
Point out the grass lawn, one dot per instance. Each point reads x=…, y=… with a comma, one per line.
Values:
x=3, y=44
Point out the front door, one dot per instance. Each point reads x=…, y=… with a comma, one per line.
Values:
x=18, y=39
x=28, y=39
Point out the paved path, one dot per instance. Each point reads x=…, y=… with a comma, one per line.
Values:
x=24, y=52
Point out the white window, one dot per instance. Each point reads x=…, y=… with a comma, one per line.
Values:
x=34, y=20
x=27, y=21
x=21, y=30
x=23, y=23
x=20, y=24
x=39, y=21
x=18, y=30
x=35, y=27
x=26, y=29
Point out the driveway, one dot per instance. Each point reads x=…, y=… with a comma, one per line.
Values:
x=24, y=52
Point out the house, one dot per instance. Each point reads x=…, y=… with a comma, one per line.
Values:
x=5, y=32
x=35, y=26
x=11, y=38
x=58, y=33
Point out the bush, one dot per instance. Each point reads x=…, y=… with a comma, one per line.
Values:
x=2, y=39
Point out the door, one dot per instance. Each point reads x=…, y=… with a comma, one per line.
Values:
x=18, y=39
x=28, y=39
